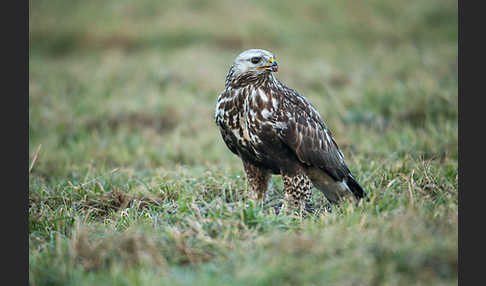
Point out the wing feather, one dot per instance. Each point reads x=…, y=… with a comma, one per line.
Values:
x=308, y=136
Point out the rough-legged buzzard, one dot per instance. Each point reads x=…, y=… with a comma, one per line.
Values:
x=275, y=130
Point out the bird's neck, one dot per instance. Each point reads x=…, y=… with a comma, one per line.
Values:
x=245, y=79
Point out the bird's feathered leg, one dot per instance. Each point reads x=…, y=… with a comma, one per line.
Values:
x=258, y=180
x=297, y=192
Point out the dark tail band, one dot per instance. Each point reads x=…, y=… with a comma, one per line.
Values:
x=358, y=192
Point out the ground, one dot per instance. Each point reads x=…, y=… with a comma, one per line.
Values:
x=130, y=182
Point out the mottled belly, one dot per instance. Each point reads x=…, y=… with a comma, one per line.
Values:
x=268, y=150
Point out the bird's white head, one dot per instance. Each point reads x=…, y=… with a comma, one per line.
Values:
x=255, y=61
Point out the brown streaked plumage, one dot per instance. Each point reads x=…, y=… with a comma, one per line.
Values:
x=297, y=190
x=275, y=130
x=258, y=179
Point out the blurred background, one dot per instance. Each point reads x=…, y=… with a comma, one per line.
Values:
x=133, y=84
x=127, y=165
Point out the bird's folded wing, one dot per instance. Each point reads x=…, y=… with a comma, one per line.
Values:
x=310, y=139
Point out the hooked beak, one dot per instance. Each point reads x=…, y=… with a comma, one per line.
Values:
x=273, y=67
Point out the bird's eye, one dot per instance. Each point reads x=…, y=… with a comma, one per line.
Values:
x=255, y=60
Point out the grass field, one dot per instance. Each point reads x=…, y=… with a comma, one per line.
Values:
x=130, y=182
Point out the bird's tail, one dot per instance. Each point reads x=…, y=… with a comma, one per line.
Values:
x=355, y=188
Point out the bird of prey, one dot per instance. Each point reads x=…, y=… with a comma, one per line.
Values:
x=275, y=130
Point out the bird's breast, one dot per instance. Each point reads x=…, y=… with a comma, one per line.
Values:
x=248, y=113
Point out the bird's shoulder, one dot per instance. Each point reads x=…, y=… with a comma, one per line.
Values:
x=296, y=107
